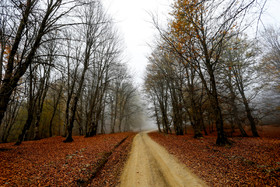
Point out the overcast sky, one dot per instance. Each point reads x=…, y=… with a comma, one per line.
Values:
x=134, y=23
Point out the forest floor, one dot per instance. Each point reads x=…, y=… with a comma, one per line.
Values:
x=247, y=162
x=99, y=161
x=50, y=162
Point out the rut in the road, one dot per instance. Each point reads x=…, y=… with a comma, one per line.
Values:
x=150, y=164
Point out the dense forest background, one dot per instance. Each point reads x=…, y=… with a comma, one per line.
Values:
x=205, y=71
x=63, y=73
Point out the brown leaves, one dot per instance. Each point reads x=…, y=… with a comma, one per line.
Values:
x=110, y=174
x=52, y=162
x=250, y=161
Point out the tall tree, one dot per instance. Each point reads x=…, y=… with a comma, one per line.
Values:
x=33, y=24
x=271, y=57
x=244, y=61
x=92, y=18
x=196, y=34
x=239, y=72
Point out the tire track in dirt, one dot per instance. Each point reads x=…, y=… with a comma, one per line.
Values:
x=149, y=164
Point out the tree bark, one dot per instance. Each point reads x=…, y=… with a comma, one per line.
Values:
x=221, y=139
x=74, y=108
x=157, y=117
x=240, y=87
x=8, y=85
x=250, y=117
x=42, y=95
x=11, y=78
x=31, y=109
x=10, y=121
x=237, y=120
x=77, y=96
x=26, y=125
x=234, y=108
x=54, y=110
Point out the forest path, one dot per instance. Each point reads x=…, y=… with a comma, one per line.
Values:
x=149, y=164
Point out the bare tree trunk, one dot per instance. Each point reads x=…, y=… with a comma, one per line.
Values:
x=165, y=120
x=75, y=103
x=157, y=116
x=233, y=105
x=240, y=87
x=10, y=120
x=38, y=116
x=55, y=109
x=202, y=120
x=103, y=119
x=12, y=77
x=221, y=139
x=42, y=93
x=31, y=108
x=9, y=83
x=70, y=92
x=112, y=115
x=235, y=116
x=26, y=127
x=78, y=93
x=250, y=117
x=116, y=108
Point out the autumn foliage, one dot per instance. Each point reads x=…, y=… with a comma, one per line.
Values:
x=50, y=162
x=248, y=162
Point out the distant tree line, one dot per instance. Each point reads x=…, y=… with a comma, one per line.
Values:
x=205, y=72
x=62, y=71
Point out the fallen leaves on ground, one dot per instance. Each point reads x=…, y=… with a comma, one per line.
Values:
x=248, y=162
x=50, y=162
x=110, y=174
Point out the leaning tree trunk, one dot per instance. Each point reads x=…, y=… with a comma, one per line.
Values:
x=237, y=121
x=72, y=119
x=250, y=117
x=76, y=99
x=26, y=125
x=234, y=108
x=221, y=138
x=70, y=92
x=31, y=109
x=73, y=111
x=247, y=108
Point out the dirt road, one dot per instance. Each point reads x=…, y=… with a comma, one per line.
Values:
x=150, y=164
